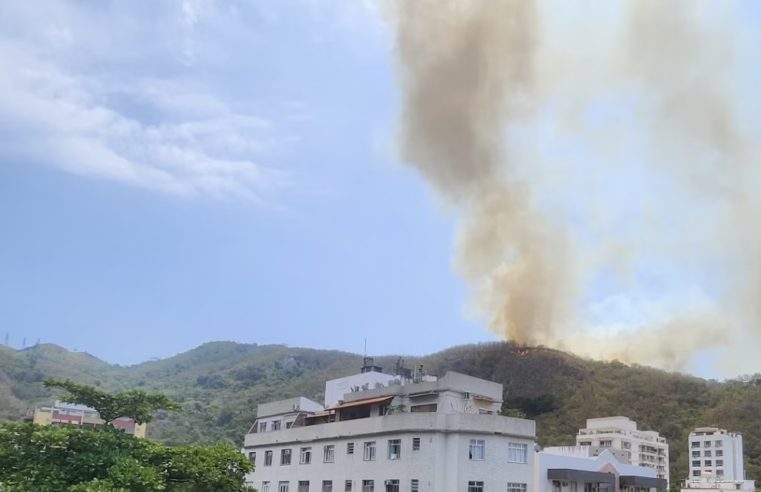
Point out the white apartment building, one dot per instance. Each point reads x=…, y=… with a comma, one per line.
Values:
x=582, y=469
x=716, y=461
x=642, y=448
x=716, y=453
x=442, y=435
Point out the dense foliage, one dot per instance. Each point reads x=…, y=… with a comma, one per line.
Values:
x=139, y=405
x=52, y=459
x=219, y=385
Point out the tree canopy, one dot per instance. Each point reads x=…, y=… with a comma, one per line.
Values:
x=139, y=405
x=104, y=459
x=69, y=458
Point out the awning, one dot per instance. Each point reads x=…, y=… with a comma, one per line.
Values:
x=638, y=481
x=367, y=401
x=570, y=475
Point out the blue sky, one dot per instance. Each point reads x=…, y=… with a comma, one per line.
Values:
x=195, y=171
x=182, y=171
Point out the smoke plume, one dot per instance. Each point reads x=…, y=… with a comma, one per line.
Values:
x=591, y=162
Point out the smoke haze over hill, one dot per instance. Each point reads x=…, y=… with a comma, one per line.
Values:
x=602, y=169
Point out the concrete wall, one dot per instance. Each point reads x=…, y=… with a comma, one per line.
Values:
x=336, y=389
x=287, y=406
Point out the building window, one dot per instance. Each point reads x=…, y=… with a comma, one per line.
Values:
x=516, y=487
x=329, y=453
x=303, y=486
x=306, y=456
x=517, y=452
x=477, y=449
x=268, y=458
x=276, y=425
x=285, y=456
x=720, y=473
x=349, y=448
x=348, y=486
x=707, y=454
x=695, y=444
x=394, y=449
x=282, y=487
x=695, y=473
x=416, y=444
x=327, y=486
x=368, y=486
x=696, y=454
x=719, y=453
x=266, y=487
x=707, y=444
x=719, y=462
x=431, y=408
x=262, y=426
x=392, y=485
x=707, y=463
x=252, y=457
x=585, y=443
x=369, y=454
x=556, y=486
x=606, y=444
x=414, y=485
x=475, y=486
x=718, y=444
x=696, y=463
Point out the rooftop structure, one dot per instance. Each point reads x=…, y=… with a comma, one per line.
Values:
x=641, y=448
x=62, y=413
x=411, y=434
x=582, y=469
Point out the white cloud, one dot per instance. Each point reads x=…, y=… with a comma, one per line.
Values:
x=101, y=92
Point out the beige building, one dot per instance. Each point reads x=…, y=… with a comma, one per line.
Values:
x=620, y=434
x=62, y=413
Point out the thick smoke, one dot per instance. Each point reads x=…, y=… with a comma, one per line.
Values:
x=480, y=77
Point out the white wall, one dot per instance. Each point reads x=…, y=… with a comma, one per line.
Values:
x=335, y=389
x=732, y=455
x=441, y=465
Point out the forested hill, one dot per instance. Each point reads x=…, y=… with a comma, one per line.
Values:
x=219, y=385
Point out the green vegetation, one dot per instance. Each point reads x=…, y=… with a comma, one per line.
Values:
x=51, y=459
x=139, y=405
x=103, y=459
x=218, y=385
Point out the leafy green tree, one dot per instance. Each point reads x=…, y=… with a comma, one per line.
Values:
x=138, y=405
x=104, y=459
x=70, y=458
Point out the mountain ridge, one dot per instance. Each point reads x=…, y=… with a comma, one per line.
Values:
x=219, y=384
